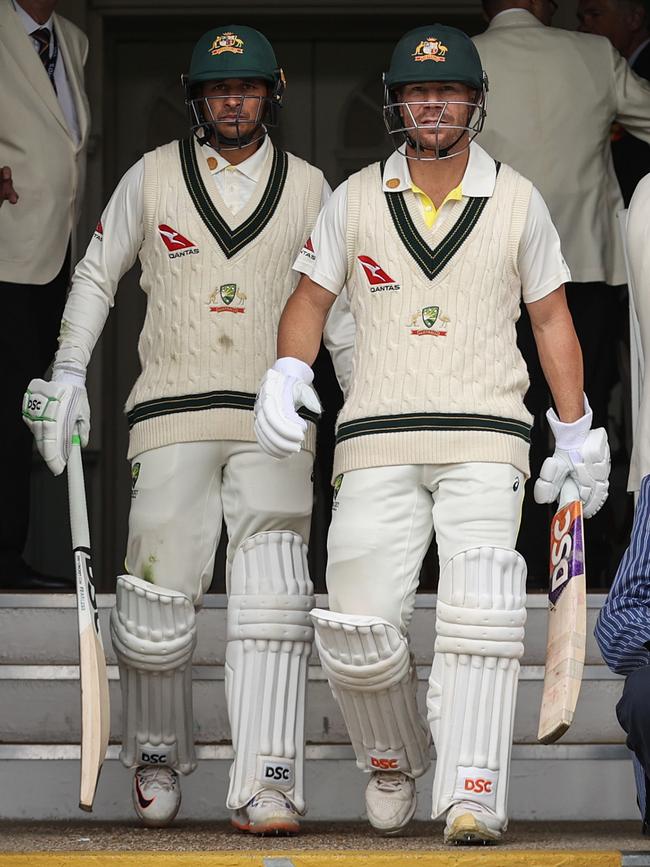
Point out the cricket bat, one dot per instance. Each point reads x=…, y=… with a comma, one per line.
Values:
x=95, y=708
x=567, y=618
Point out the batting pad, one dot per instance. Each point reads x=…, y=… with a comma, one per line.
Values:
x=480, y=621
x=269, y=637
x=368, y=666
x=154, y=634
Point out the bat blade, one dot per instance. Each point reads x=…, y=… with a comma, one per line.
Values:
x=95, y=707
x=567, y=618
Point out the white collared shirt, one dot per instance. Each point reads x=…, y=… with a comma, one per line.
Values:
x=542, y=268
x=63, y=90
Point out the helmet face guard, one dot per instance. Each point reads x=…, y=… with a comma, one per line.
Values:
x=241, y=131
x=404, y=129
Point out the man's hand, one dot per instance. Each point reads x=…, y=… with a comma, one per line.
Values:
x=51, y=410
x=7, y=192
x=286, y=386
x=581, y=453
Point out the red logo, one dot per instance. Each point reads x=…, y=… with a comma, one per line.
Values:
x=478, y=786
x=99, y=232
x=308, y=245
x=384, y=764
x=173, y=240
x=374, y=272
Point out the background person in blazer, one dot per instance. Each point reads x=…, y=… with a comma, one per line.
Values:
x=626, y=24
x=554, y=95
x=42, y=168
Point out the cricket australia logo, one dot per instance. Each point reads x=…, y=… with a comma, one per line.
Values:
x=378, y=279
x=221, y=299
x=431, y=49
x=227, y=42
x=177, y=244
x=338, y=481
x=135, y=474
x=429, y=316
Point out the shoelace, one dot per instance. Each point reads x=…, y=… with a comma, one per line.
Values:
x=269, y=797
x=390, y=781
x=162, y=778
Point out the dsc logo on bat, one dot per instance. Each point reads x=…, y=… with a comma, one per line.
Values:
x=561, y=545
x=478, y=786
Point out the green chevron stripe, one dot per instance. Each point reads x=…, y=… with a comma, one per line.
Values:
x=231, y=241
x=432, y=260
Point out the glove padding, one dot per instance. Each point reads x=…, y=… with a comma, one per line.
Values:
x=286, y=386
x=50, y=411
x=588, y=466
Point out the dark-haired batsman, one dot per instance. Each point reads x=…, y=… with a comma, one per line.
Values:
x=216, y=220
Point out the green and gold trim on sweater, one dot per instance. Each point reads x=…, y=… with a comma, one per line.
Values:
x=195, y=402
x=231, y=241
x=432, y=260
x=432, y=421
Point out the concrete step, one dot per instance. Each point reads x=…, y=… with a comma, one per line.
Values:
x=41, y=629
x=44, y=703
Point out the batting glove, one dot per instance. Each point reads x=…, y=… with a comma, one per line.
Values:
x=284, y=388
x=51, y=410
x=581, y=453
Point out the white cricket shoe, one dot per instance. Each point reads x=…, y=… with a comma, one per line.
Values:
x=156, y=794
x=267, y=812
x=391, y=800
x=471, y=824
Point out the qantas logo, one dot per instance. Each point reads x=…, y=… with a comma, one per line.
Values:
x=177, y=244
x=378, y=279
x=99, y=232
x=308, y=251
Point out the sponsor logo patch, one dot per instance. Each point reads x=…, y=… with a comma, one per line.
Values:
x=177, y=244
x=378, y=279
x=429, y=317
x=135, y=473
x=227, y=42
x=278, y=774
x=308, y=251
x=430, y=49
x=98, y=234
x=221, y=299
x=476, y=784
x=384, y=764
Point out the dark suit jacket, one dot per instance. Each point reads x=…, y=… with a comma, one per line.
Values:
x=631, y=155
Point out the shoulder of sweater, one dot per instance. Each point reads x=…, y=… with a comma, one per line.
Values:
x=298, y=163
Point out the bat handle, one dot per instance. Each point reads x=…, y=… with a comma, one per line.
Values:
x=569, y=491
x=77, y=495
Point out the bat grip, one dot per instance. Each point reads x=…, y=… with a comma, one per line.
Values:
x=569, y=491
x=77, y=495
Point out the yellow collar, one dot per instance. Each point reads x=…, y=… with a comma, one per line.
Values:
x=430, y=212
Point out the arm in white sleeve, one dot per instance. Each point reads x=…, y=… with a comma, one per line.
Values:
x=113, y=249
x=338, y=337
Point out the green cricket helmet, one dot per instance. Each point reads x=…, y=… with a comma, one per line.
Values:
x=434, y=53
x=238, y=52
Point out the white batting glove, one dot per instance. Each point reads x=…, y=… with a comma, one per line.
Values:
x=51, y=410
x=284, y=388
x=581, y=453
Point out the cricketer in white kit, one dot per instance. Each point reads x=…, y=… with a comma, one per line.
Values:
x=437, y=246
x=217, y=220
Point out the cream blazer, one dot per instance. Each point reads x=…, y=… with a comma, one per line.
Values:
x=47, y=165
x=552, y=100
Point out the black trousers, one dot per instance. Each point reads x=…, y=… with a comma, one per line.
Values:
x=32, y=317
x=597, y=323
x=633, y=712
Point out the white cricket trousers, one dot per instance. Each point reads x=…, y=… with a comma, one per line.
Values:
x=383, y=520
x=180, y=494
